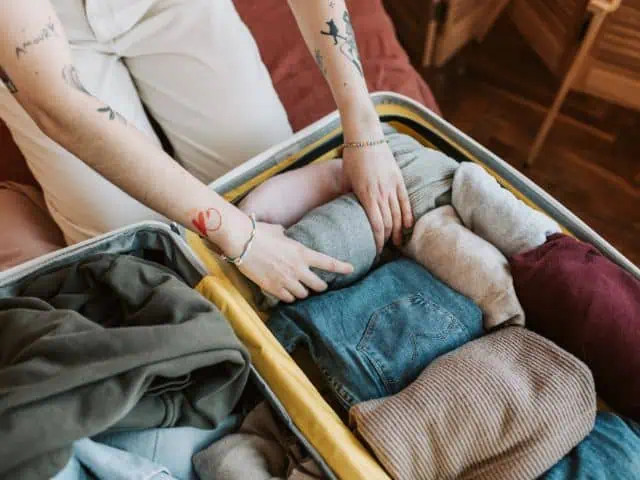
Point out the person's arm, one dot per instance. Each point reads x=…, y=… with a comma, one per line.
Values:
x=36, y=66
x=371, y=172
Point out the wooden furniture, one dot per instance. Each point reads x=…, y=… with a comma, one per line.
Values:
x=594, y=46
x=432, y=31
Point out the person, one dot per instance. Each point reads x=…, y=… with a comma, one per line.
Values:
x=78, y=76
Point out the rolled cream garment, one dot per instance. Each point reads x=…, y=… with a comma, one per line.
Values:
x=495, y=214
x=467, y=263
x=506, y=406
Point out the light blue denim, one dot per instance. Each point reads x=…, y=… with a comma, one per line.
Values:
x=610, y=452
x=108, y=463
x=171, y=448
x=375, y=337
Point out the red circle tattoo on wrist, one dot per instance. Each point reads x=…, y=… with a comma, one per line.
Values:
x=207, y=221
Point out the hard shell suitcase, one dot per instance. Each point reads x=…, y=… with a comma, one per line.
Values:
x=313, y=416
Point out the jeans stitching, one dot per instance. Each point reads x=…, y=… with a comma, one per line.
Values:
x=417, y=298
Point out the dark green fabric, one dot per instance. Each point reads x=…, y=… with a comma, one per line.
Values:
x=112, y=342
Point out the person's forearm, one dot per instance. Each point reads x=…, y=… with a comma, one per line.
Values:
x=327, y=30
x=126, y=157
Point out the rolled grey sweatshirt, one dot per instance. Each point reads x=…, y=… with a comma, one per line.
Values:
x=341, y=229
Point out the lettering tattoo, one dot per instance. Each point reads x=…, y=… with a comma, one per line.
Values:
x=345, y=41
x=320, y=62
x=206, y=221
x=48, y=31
x=7, y=81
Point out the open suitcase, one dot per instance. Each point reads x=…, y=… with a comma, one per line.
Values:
x=280, y=380
x=313, y=416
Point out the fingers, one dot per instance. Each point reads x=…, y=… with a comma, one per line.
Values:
x=297, y=289
x=396, y=213
x=405, y=205
x=387, y=216
x=327, y=263
x=375, y=219
x=284, y=295
x=312, y=281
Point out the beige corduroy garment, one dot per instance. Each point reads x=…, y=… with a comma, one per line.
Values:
x=506, y=406
x=467, y=263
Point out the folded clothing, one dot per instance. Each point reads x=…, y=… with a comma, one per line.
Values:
x=115, y=342
x=611, y=451
x=508, y=405
x=341, y=228
x=373, y=338
x=466, y=263
x=262, y=449
x=589, y=306
x=109, y=463
x=495, y=214
x=172, y=448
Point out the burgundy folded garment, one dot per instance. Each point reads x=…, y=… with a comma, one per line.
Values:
x=588, y=305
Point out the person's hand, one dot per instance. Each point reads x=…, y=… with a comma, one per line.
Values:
x=282, y=267
x=374, y=176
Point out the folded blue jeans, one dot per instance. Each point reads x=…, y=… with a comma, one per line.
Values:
x=611, y=451
x=375, y=337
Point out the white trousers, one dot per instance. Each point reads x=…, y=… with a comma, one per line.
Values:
x=197, y=69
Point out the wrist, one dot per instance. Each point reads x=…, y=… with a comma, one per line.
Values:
x=360, y=122
x=232, y=238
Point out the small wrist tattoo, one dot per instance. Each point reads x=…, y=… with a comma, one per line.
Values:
x=206, y=221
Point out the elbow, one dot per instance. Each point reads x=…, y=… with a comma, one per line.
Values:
x=45, y=117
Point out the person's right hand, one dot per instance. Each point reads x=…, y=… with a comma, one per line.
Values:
x=282, y=267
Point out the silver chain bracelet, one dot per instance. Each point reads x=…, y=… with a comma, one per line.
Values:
x=237, y=261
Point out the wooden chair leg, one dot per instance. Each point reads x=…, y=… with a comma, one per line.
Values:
x=574, y=69
x=430, y=40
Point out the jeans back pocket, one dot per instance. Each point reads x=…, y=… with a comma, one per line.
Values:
x=402, y=338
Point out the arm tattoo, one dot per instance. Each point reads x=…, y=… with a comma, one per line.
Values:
x=333, y=32
x=48, y=31
x=112, y=114
x=7, y=81
x=206, y=221
x=71, y=77
x=320, y=62
x=346, y=42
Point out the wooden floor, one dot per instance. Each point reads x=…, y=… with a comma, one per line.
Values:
x=498, y=91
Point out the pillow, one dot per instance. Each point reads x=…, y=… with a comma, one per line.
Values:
x=27, y=229
x=589, y=306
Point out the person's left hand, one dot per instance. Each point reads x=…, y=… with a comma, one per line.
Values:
x=374, y=176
